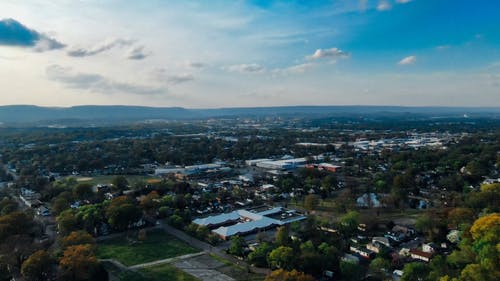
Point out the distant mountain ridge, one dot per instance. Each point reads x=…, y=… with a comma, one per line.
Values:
x=16, y=114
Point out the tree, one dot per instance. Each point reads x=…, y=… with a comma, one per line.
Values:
x=237, y=246
x=350, y=271
x=281, y=257
x=349, y=222
x=77, y=238
x=59, y=204
x=282, y=236
x=14, y=223
x=311, y=202
x=90, y=216
x=78, y=262
x=380, y=266
x=66, y=222
x=149, y=203
x=37, y=267
x=259, y=256
x=283, y=275
x=83, y=191
x=121, y=213
x=415, y=271
x=120, y=182
x=457, y=216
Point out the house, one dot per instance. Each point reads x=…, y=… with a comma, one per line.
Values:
x=375, y=247
x=43, y=211
x=350, y=258
x=420, y=255
x=364, y=252
x=368, y=200
x=381, y=240
x=429, y=248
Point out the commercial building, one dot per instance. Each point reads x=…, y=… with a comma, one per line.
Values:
x=243, y=222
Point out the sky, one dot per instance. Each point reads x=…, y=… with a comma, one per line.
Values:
x=210, y=54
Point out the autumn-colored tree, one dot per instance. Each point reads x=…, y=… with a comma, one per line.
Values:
x=77, y=238
x=150, y=203
x=37, y=267
x=78, y=262
x=283, y=275
x=457, y=216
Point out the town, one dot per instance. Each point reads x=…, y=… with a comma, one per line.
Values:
x=208, y=200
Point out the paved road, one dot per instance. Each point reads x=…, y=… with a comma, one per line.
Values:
x=208, y=248
x=170, y=260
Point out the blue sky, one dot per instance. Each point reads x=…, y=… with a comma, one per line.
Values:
x=250, y=53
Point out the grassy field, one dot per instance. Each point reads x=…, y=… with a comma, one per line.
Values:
x=108, y=179
x=166, y=272
x=157, y=245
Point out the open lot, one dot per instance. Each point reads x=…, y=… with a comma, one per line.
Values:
x=158, y=245
x=166, y=272
x=132, y=179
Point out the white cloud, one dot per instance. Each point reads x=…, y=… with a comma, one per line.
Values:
x=102, y=47
x=97, y=83
x=443, y=47
x=245, y=68
x=294, y=69
x=162, y=75
x=328, y=53
x=403, y=1
x=408, y=60
x=384, y=5
x=137, y=53
x=194, y=64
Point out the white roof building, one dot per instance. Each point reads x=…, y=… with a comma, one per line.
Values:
x=241, y=222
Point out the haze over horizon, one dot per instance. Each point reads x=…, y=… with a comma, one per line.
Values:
x=250, y=53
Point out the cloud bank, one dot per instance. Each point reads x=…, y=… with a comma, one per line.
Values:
x=246, y=68
x=97, y=83
x=13, y=33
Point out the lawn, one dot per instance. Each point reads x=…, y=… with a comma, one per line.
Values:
x=132, y=179
x=158, y=245
x=166, y=272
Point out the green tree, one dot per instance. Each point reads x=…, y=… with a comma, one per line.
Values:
x=120, y=182
x=259, y=256
x=121, y=213
x=349, y=223
x=237, y=246
x=83, y=191
x=37, y=267
x=281, y=257
x=380, y=266
x=282, y=236
x=350, y=271
x=67, y=222
x=311, y=201
x=415, y=271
